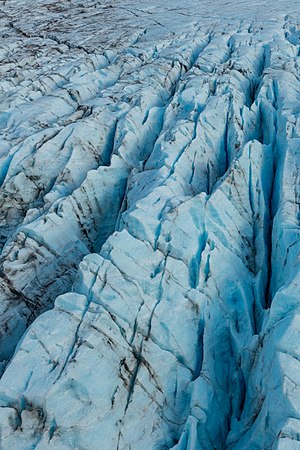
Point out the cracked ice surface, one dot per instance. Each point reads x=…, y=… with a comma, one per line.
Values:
x=149, y=225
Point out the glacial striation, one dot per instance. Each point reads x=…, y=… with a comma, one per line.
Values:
x=149, y=225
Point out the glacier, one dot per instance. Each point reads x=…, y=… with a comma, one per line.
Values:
x=149, y=225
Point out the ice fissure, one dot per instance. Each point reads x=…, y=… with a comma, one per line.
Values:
x=149, y=225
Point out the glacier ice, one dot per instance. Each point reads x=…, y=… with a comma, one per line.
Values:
x=149, y=226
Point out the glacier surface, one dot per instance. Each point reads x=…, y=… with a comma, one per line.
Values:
x=149, y=225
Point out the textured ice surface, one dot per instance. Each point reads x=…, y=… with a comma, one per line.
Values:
x=149, y=225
